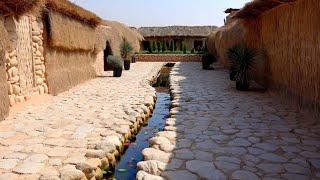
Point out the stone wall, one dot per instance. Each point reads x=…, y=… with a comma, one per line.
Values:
x=169, y=58
x=25, y=63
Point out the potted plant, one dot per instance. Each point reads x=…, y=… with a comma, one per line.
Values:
x=241, y=63
x=126, y=49
x=134, y=58
x=207, y=60
x=117, y=65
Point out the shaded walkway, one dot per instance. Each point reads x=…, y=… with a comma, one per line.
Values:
x=78, y=130
x=216, y=132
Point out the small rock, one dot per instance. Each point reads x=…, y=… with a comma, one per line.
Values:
x=161, y=143
x=152, y=166
x=71, y=173
x=141, y=175
x=155, y=154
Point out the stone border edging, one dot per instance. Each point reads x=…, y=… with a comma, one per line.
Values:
x=157, y=157
x=105, y=157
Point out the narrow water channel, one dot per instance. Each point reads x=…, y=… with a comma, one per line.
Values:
x=126, y=169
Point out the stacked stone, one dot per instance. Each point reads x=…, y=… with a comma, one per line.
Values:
x=12, y=64
x=37, y=49
x=13, y=78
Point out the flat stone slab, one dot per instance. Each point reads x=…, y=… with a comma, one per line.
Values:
x=28, y=168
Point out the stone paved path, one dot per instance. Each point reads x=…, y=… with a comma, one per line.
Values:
x=216, y=132
x=79, y=132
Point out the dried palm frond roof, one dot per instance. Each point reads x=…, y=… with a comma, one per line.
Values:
x=19, y=7
x=69, y=9
x=255, y=8
x=177, y=31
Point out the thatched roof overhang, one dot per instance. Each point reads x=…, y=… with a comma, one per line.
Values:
x=71, y=10
x=176, y=31
x=255, y=8
x=19, y=7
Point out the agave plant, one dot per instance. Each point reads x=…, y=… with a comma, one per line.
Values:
x=241, y=62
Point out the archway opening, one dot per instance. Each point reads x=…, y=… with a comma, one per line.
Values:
x=107, y=52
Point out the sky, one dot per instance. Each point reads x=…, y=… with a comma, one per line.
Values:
x=140, y=13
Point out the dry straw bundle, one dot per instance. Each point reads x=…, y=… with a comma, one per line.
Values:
x=255, y=8
x=19, y=7
x=67, y=69
x=290, y=34
x=69, y=34
x=69, y=9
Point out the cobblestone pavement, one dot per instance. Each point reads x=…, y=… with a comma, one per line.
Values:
x=216, y=132
x=79, y=132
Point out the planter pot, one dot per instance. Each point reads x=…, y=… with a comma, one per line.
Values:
x=127, y=65
x=117, y=72
x=232, y=75
x=205, y=66
x=133, y=60
x=242, y=86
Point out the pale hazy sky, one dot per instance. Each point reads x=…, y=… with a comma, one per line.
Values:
x=162, y=12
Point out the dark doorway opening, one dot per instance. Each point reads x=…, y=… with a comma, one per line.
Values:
x=107, y=52
x=198, y=45
x=146, y=46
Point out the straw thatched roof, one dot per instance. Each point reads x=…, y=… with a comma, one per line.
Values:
x=114, y=32
x=65, y=7
x=177, y=31
x=19, y=7
x=69, y=9
x=257, y=7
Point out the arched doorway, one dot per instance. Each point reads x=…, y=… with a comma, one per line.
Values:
x=107, y=52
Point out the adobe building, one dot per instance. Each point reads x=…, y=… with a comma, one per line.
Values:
x=194, y=37
x=50, y=46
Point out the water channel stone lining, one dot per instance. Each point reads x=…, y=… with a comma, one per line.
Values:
x=79, y=133
x=216, y=132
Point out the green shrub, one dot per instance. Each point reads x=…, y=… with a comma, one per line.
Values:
x=115, y=61
x=159, y=46
x=171, y=48
x=207, y=60
x=241, y=62
x=184, y=49
x=192, y=51
x=154, y=46
x=150, y=47
x=125, y=49
x=163, y=46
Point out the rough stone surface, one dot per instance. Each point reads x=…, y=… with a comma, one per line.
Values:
x=83, y=123
x=221, y=133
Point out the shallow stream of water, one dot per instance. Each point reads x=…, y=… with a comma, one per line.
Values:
x=126, y=169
